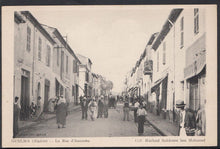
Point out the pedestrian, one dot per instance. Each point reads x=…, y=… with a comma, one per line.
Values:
x=61, y=112
x=126, y=110
x=141, y=113
x=181, y=107
x=100, y=107
x=38, y=113
x=201, y=121
x=84, y=107
x=144, y=104
x=92, y=107
x=190, y=122
x=105, y=107
x=17, y=109
x=33, y=109
x=136, y=105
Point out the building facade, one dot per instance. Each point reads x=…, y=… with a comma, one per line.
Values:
x=44, y=65
x=85, y=76
x=32, y=77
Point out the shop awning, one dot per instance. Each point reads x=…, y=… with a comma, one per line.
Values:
x=59, y=81
x=157, y=83
x=195, y=68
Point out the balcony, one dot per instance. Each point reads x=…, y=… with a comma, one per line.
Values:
x=148, y=67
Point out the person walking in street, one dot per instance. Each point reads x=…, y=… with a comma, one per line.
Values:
x=136, y=105
x=126, y=110
x=92, y=107
x=100, y=108
x=17, y=109
x=84, y=106
x=61, y=112
x=181, y=106
x=105, y=107
x=141, y=113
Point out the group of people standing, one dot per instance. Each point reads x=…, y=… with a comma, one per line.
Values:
x=97, y=110
x=191, y=123
x=140, y=113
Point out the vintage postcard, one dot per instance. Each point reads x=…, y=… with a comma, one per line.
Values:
x=109, y=76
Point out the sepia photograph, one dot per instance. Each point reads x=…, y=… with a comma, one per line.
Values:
x=111, y=72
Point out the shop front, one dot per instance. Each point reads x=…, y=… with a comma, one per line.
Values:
x=160, y=91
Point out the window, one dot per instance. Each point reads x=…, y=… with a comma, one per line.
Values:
x=39, y=49
x=181, y=33
x=62, y=61
x=74, y=66
x=196, y=21
x=157, y=61
x=87, y=76
x=66, y=64
x=48, y=56
x=58, y=56
x=164, y=53
x=73, y=90
x=28, y=38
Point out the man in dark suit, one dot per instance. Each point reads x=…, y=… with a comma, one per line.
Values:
x=84, y=106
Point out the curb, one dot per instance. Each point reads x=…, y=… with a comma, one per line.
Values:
x=155, y=127
x=45, y=120
x=163, y=133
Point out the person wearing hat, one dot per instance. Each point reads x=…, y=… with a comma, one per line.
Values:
x=84, y=106
x=16, y=117
x=182, y=114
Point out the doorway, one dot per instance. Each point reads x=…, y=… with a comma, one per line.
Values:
x=25, y=95
x=194, y=101
x=46, y=95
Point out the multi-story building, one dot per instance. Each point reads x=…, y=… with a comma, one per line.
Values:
x=65, y=67
x=164, y=67
x=44, y=64
x=179, y=61
x=96, y=86
x=85, y=76
x=194, y=45
x=33, y=62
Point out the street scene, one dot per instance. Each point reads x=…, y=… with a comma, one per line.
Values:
x=101, y=127
x=95, y=72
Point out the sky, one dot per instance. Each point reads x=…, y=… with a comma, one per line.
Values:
x=113, y=37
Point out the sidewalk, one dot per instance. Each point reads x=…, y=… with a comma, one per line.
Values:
x=163, y=126
x=46, y=116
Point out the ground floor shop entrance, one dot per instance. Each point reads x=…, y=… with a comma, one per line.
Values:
x=25, y=95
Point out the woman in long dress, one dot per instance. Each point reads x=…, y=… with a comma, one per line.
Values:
x=61, y=112
x=93, y=109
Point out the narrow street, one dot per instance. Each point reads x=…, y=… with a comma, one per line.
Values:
x=113, y=126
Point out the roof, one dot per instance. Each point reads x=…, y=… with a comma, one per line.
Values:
x=153, y=36
x=174, y=14
x=60, y=38
x=84, y=57
x=18, y=18
x=34, y=21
